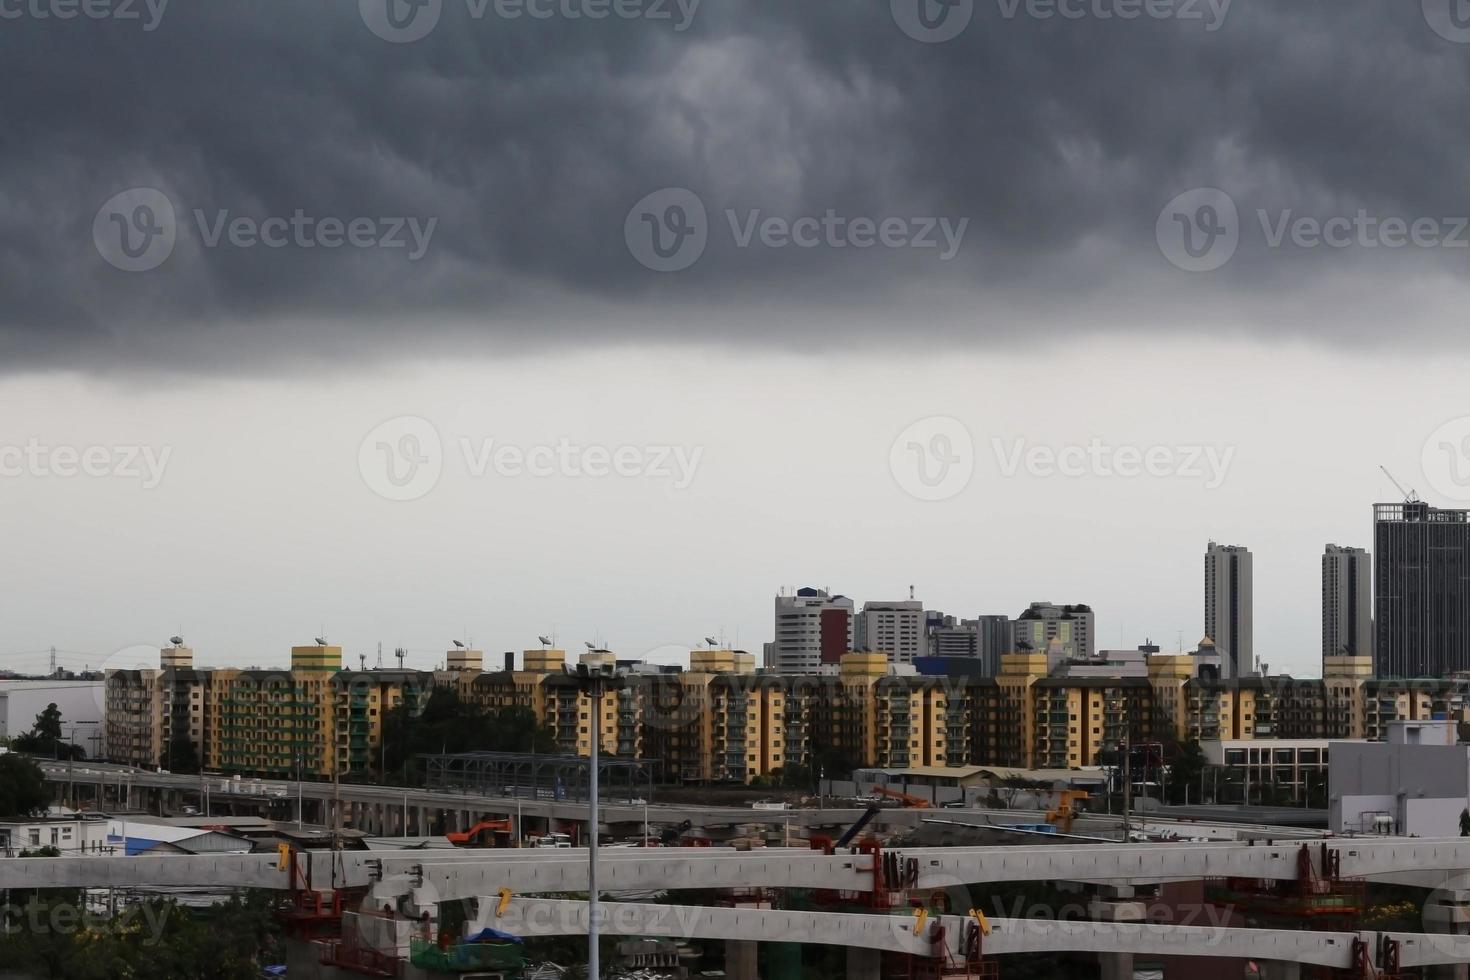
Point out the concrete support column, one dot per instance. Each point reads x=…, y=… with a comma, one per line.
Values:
x=1447, y=913
x=866, y=964
x=424, y=829
x=1116, y=904
x=741, y=962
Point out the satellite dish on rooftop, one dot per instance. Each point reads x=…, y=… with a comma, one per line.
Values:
x=320, y=641
x=459, y=645
x=177, y=641
x=545, y=640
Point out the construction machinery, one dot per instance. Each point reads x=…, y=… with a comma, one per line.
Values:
x=1066, y=812
x=917, y=802
x=486, y=833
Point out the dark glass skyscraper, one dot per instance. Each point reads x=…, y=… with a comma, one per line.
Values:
x=1421, y=576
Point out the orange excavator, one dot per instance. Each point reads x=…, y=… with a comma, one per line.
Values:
x=486, y=833
x=917, y=802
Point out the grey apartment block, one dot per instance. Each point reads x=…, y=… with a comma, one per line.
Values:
x=1347, y=602
x=1229, y=597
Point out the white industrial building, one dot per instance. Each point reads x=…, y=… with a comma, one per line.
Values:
x=80, y=704
x=1416, y=784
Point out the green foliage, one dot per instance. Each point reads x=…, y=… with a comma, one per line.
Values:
x=446, y=723
x=23, y=789
x=1184, y=772
x=158, y=940
x=45, y=737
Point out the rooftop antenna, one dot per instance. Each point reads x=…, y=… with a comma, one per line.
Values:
x=380, y=653
x=362, y=661
x=53, y=661
x=911, y=592
x=1410, y=495
x=400, y=653
x=546, y=641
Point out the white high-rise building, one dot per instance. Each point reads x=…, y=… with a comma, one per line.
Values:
x=1347, y=602
x=1074, y=627
x=894, y=628
x=1229, y=617
x=813, y=628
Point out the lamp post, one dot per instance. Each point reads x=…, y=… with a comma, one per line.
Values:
x=594, y=680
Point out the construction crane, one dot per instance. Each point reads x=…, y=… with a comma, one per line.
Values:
x=1065, y=812
x=1410, y=495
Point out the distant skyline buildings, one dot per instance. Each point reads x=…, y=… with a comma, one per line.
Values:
x=812, y=628
x=1421, y=582
x=1229, y=607
x=1347, y=602
x=1073, y=626
x=894, y=628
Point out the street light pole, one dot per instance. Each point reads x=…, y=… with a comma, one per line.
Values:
x=594, y=680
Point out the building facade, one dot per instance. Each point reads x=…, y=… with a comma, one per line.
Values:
x=1229, y=607
x=1347, y=602
x=1074, y=627
x=813, y=629
x=1422, y=590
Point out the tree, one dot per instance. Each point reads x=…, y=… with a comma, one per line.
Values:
x=183, y=755
x=23, y=789
x=45, y=738
x=448, y=723
x=1185, y=771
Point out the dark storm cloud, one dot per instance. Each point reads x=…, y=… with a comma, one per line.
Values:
x=492, y=164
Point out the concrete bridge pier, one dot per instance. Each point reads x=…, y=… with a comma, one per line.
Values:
x=1116, y=904
x=1278, y=970
x=741, y=960
x=867, y=964
x=1447, y=913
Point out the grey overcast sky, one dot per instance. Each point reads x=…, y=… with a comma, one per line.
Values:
x=411, y=321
